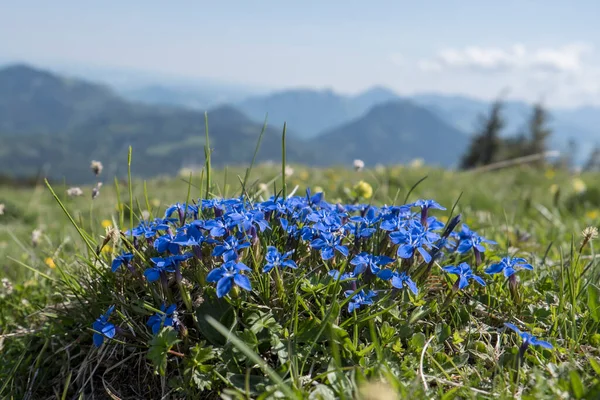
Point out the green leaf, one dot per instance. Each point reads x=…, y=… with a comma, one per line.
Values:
x=576, y=385
x=418, y=341
x=595, y=366
x=220, y=310
x=198, y=373
x=160, y=346
x=322, y=392
x=594, y=302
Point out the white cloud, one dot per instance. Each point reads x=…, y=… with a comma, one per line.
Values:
x=568, y=58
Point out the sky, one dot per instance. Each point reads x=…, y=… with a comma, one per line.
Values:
x=536, y=50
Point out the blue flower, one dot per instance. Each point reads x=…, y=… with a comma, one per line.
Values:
x=164, y=318
x=509, y=266
x=471, y=240
x=122, y=259
x=103, y=328
x=359, y=299
x=164, y=265
x=365, y=225
x=365, y=260
x=328, y=243
x=216, y=228
x=529, y=339
x=228, y=274
x=166, y=242
x=399, y=280
x=415, y=237
x=275, y=259
x=427, y=204
x=463, y=270
x=346, y=276
x=229, y=248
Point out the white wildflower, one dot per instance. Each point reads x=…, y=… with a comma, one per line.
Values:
x=74, y=192
x=289, y=171
x=358, y=164
x=36, y=236
x=1, y=209
x=145, y=215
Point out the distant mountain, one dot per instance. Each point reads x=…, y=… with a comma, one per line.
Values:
x=63, y=136
x=197, y=97
x=394, y=132
x=35, y=101
x=309, y=112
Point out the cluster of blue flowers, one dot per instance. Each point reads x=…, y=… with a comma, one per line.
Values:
x=382, y=245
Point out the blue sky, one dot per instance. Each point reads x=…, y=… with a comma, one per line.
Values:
x=537, y=49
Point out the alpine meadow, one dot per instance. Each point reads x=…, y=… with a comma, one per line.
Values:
x=299, y=200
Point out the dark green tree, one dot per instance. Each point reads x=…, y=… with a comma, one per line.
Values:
x=593, y=162
x=539, y=132
x=486, y=143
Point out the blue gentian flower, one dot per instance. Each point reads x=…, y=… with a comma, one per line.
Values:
x=164, y=318
x=529, y=339
x=463, y=270
x=399, y=280
x=415, y=237
x=228, y=274
x=509, y=266
x=164, y=265
x=103, y=328
x=365, y=260
x=229, y=248
x=427, y=204
x=216, y=228
x=328, y=243
x=275, y=259
x=365, y=225
x=359, y=299
x=471, y=240
x=120, y=260
x=166, y=242
x=335, y=274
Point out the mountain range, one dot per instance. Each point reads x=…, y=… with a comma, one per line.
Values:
x=57, y=125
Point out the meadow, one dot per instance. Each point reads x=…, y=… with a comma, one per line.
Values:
x=199, y=306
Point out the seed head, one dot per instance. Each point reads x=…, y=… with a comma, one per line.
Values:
x=96, y=190
x=7, y=287
x=358, y=164
x=36, y=236
x=74, y=192
x=96, y=167
x=590, y=233
x=289, y=171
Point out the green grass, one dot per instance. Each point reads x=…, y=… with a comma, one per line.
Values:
x=292, y=334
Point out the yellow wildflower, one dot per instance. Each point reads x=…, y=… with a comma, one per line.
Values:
x=303, y=175
x=106, y=223
x=579, y=185
x=155, y=203
x=363, y=190
x=554, y=188
x=107, y=249
x=50, y=262
x=593, y=214
x=317, y=189
x=550, y=173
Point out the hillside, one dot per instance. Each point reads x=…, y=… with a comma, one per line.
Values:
x=58, y=126
x=394, y=132
x=34, y=101
x=309, y=112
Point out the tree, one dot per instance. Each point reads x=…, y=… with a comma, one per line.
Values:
x=538, y=132
x=593, y=162
x=486, y=144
